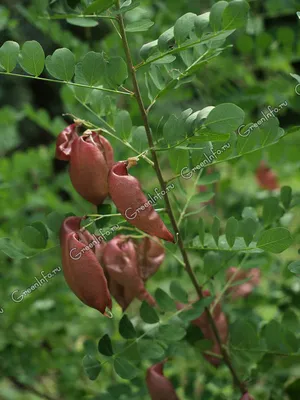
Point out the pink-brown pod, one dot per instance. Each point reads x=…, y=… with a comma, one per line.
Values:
x=126, y=192
x=64, y=142
x=266, y=177
x=221, y=322
x=247, y=396
x=244, y=289
x=202, y=323
x=121, y=265
x=82, y=270
x=90, y=161
x=151, y=254
x=159, y=387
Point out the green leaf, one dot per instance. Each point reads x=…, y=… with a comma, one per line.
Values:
x=9, y=53
x=275, y=337
x=103, y=209
x=83, y=22
x=150, y=349
x=130, y=351
x=123, y=124
x=116, y=71
x=41, y=228
x=93, y=68
x=139, y=26
x=250, y=212
x=201, y=24
x=271, y=210
x=216, y=13
x=61, y=64
x=294, y=267
x=98, y=6
x=197, y=309
x=7, y=247
x=148, y=49
x=126, y=328
x=33, y=238
x=202, y=197
x=164, y=301
x=139, y=138
x=178, y=159
x=54, y=221
x=201, y=230
x=91, y=366
x=148, y=314
x=32, y=58
x=124, y=368
x=225, y=118
x=171, y=332
x=178, y=292
x=231, y=231
x=105, y=346
x=174, y=130
x=215, y=229
x=235, y=15
x=183, y=27
x=166, y=40
x=275, y=240
x=243, y=335
x=212, y=263
x=167, y=59
x=209, y=178
x=247, y=229
x=126, y=3
x=286, y=196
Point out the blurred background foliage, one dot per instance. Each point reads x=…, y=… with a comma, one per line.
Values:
x=44, y=337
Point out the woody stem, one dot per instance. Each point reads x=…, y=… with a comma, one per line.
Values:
x=188, y=267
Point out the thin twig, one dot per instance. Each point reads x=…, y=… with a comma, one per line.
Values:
x=29, y=388
x=65, y=82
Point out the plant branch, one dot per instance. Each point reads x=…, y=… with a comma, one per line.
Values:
x=188, y=267
x=29, y=388
x=66, y=82
x=66, y=16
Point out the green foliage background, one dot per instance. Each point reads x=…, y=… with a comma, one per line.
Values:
x=45, y=337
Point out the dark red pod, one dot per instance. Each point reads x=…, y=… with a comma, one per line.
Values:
x=81, y=267
x=159, y=387
x=64, y=142
x=126, y=192
x=121, y=266
x=90, y=161
x=151, y=254
x=244, y=289
x=266, y=177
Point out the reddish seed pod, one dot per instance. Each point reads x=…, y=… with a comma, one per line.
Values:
x=121, y=266
x=151, y=254
x=160, y=387
x=245, y=288
x=202, y=323
x=266, y=177
x=81, y=268
x=222, y=325
x=90, y=161
x=64, y=142
x=126, y=192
